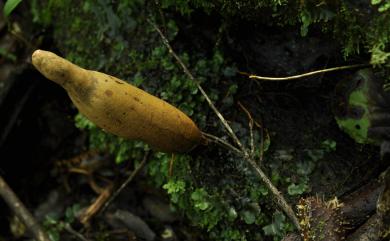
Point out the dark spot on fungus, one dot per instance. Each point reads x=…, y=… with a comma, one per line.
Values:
x=136, y=99
x=106, y=80
x=124, y=113
x=85, y=91
x=132, y=108
x=126, y=93
x=108, y=93
x=118, y=82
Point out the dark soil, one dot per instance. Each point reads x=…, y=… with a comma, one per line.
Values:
x=39, y=130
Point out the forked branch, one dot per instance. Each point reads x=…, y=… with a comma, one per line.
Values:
x=21, y=211
x=280, y=200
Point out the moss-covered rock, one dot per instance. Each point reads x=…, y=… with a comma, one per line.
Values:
x=362, y=107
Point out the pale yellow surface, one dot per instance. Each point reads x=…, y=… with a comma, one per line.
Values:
x=120, y=108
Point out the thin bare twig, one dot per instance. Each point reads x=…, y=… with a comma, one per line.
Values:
x=70, y=230
x=261, y=151
x=250, y=124
x=96, y=206
x=251, y=76
x=221, y=142
x=263, y=132
x=21, y=211
x=171, y=162
x=280, y=200
x=107, y=196
x=188, y=73
x=126, y=182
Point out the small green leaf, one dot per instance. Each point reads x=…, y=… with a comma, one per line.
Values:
x=172, y=30
x=9, y=6
x=83, y=123
x=315, y=154
x=270, y=229
x=175, y=187
x=202, y=205
x=7, y=55
x=86, y=7
x=329, y=145
x=263, y=190
x=276, y=227
x=267, y=142
x=230, y=71
x=296, y=189
x=54, y=235
x=374, y=2
x=248, y=217
x=232, y=214
x=306, y=21
x=275, y=177
x=200, y=198
x=304, y=168
x=384, y=7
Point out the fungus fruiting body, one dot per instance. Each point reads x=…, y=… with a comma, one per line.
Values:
x=120, y=108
